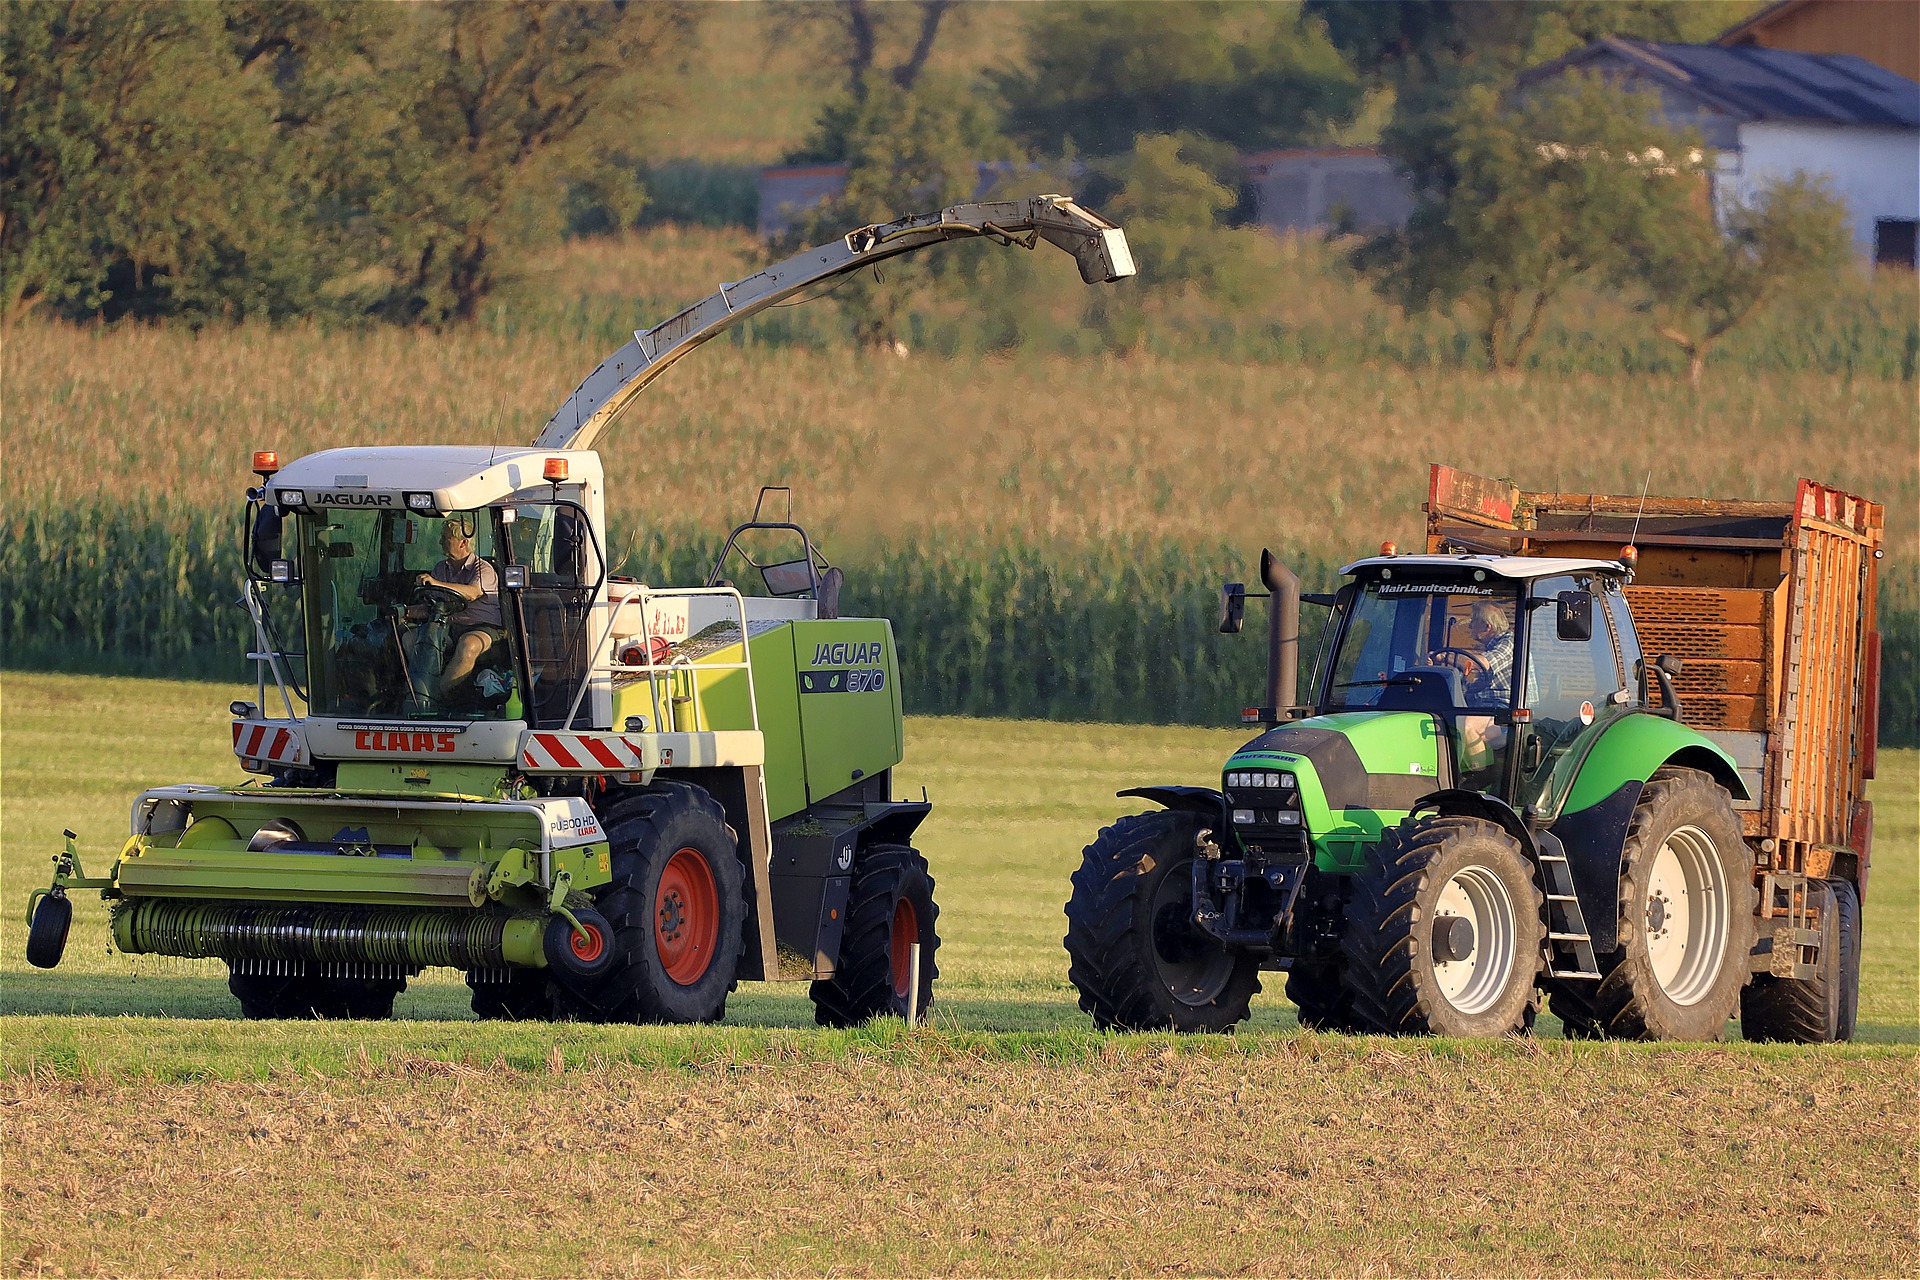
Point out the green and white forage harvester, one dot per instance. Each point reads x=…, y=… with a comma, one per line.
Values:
x=478, y=748
x=1607, y=748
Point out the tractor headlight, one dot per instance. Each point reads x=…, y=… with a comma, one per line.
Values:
x=1243, y=816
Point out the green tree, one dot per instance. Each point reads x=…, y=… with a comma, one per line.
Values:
x=1099, y=75
x=500, y=113
x=1515, y=201
x=1704, y=281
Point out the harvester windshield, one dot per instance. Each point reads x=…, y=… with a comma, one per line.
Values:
x=404, y=614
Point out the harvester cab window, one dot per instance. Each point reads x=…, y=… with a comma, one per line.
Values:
x=553, y=541
x=405, y=615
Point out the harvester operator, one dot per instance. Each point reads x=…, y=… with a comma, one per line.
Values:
x=479, y=626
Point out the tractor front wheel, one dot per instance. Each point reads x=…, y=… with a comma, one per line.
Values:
x=1139, y=961
x=1321, y=997
x=1444, y=931
x=677, y=910
x=1686, y=921
x=889, y=908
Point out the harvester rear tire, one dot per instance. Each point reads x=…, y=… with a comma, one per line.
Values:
x=678, y=911
x=1430, y=869
x=889, y=906
x=1683, y=829
x=523, y=997
x=1821, y=1009
x=1138, y=961
x=1321, y=999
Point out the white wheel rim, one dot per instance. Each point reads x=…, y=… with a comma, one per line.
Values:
x=1475, y=982
x=1687, y=924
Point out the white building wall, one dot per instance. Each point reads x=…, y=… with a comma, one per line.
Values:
x=1876, y=171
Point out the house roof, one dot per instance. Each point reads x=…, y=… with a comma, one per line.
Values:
x=1751, y=83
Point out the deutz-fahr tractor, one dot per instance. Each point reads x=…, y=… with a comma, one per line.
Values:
x=1495, y=792
x=477, y=747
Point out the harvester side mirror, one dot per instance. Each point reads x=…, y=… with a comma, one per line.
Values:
x=514, y=577
x=1573, y=620
x=1233, y=607
x=266, y=538
x=281, y=571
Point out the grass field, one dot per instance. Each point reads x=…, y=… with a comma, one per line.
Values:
x=1008, y=1138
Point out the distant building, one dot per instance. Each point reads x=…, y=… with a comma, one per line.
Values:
x=1884, y=32
x=1336, y=188
x=1772, y=113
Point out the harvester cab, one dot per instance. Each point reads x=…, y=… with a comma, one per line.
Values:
x=1489, y=793
x=479, y=747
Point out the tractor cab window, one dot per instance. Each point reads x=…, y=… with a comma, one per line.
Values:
x=405, y=616
x=1442, y=645
x=1574, y=683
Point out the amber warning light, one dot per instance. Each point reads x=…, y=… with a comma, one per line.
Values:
x=556, y=470
x=265, y=462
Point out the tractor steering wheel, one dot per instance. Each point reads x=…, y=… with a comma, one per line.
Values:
x=1486, y=673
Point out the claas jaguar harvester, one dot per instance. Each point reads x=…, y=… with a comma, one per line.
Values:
x=1610, y=749
x=477, y=748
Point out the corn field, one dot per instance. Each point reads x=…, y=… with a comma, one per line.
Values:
x=1121, y=632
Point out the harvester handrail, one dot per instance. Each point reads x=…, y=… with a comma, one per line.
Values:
x=642, y=594
x=1099, y=247
x=267, y=657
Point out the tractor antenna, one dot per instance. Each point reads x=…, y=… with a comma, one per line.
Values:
x=1635, y=535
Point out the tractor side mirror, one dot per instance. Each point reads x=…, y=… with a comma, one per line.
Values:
x=266, y=539
x=1233, y=608
x=1573, y=620
x=514, y=577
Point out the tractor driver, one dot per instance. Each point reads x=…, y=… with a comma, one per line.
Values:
x=1486, y=663
x=478, y=627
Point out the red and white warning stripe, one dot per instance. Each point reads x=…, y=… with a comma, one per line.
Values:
x=267, y=743
x=580, y=753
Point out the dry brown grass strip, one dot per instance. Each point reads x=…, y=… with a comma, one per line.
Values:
x=1303, y=1155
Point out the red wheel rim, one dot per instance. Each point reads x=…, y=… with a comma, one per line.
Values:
x=589, y=949
x=686, y=914
x=906, y=932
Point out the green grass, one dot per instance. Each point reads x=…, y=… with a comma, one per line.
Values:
x=148, y=1131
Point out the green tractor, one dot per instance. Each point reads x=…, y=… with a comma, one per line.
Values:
x=476, y=747
x=1491, y=795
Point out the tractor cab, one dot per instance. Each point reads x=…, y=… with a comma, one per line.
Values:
x=1515, y=660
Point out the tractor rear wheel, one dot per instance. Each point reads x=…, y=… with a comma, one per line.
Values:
x=1139, y=961
x=1444, y=931
x=677, y=909
x=889, y=908
x=1823, y=1008
x=1686, y=921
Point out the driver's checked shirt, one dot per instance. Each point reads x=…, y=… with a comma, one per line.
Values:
x=484, y=612
x=1497, y=658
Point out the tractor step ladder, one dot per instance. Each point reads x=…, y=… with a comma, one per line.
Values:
x=1567, y=936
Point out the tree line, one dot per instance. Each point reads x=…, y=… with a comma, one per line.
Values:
x=247, y=158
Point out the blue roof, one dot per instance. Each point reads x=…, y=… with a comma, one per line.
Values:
x=1755, y=83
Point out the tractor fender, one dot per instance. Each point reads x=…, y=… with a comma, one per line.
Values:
x=1634, y=746
x=1460, y=803
x=1204, y=801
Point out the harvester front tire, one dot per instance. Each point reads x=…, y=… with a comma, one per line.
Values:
x=889, y=907
x=1821, y=1009
x=1686, y=921
x=47, y=932
x=523, y=997
x=1138, y=960
x=1412, y=966
x=677, y=908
